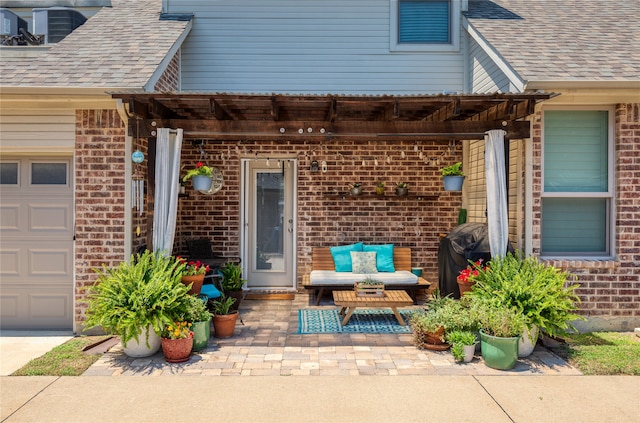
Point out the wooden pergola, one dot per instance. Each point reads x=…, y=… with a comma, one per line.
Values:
x=256, y=117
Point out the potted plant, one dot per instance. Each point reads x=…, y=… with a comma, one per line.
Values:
x=380, y=188
x=193, y=274
x=232, y=282
x=369, y=287
x=355, y=188
x=453, y=177
x=402, y=188
x=463, y=344
x=200, y=317
x=532, y=288
x=465, y=277
x=202, y=177
x=177, y=341
x=224, y=317
x=501, y=328
x=136, y=300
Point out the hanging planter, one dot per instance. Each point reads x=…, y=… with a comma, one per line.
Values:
x=201, y=177
x=202, y=183
x=452, y=177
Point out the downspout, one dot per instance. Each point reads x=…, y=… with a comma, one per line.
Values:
x=127, y=180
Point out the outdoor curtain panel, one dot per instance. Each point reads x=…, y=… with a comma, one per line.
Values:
x=165, y=206
x=497, y=213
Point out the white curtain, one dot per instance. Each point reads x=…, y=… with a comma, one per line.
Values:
x=497, y=212
x=166, y=194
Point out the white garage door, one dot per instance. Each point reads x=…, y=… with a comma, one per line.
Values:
x=36, y=243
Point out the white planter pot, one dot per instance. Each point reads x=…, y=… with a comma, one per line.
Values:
x=139, y=348
x=527, y=344
x=202, y=183
x=469, y=351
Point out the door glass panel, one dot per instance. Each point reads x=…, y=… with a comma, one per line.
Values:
x=9, y=173
x=269, y=250
x=49, y=173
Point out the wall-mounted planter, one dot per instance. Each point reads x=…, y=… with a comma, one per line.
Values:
x=452, y=183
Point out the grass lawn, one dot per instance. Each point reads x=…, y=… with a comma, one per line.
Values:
x=603, y=353
x=67, y=359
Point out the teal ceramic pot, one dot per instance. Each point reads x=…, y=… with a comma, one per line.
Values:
x=201, y=334
x=499, y=353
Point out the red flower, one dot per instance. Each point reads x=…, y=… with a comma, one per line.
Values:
x=199, y=165
x=467, y=275
x=193, y=267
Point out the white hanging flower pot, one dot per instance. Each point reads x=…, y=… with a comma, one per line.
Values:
x=202, y=182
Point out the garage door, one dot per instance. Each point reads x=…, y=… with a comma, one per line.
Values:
x=36, y=243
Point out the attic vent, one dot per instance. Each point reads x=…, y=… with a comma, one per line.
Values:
x=56, y=22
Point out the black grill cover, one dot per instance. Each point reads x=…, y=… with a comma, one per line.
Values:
x=469, y=241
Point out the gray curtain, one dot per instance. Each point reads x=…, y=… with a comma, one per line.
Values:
x=168, y=147
x=497, y=212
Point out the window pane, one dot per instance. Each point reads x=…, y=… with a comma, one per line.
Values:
x=574, y=225
x=9, y=173
x=49, y=173
x=269, y=214
x=423, y=22
x=575, y=151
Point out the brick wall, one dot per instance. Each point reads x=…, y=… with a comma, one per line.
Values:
x=324, y=220
x=610, y=290
x=99, y=189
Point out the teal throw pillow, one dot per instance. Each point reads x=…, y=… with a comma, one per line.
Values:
x=342, y=256
x=384, y=256
x=364, y=262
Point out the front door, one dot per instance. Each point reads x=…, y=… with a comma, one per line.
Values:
x=269, y=223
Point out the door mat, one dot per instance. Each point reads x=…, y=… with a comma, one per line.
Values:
x=362, y=321
x=269, y=296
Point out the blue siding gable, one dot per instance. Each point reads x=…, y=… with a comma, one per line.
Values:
x=306, y=46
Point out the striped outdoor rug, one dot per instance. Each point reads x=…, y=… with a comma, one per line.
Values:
x=362, y=321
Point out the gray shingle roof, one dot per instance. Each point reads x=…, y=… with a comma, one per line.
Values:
x=563, y=40
x=119, y=47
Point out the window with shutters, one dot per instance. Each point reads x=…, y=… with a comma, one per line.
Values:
x=578, y=184
x=425, y=25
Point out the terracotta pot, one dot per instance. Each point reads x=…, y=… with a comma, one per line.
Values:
x=434, y=341
x=177, y=350
x=464, y=287
x=224, y=324
x=196, y=280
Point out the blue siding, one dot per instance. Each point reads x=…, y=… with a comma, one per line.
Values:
x=485, y=76
x=306, y=46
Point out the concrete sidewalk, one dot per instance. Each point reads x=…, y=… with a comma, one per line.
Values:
x=321, y=399
x=17, y=348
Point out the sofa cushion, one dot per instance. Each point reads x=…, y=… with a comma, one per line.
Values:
x=363, y=262
x=330, y=277
x=342, y=256
x=384, y=256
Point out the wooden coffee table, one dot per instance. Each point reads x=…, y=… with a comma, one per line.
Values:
x=392, y=299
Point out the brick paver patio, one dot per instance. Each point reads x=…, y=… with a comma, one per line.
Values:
x=267, y=343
